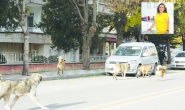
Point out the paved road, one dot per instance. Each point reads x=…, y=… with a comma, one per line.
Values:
x=105, y=93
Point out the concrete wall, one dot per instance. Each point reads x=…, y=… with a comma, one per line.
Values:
x=17, y=69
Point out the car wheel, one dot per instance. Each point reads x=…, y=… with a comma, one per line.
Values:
x=109, y=74
x=173, y=68
x=138, y=74
x=154, y=70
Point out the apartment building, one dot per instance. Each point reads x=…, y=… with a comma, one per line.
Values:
x=11, y=44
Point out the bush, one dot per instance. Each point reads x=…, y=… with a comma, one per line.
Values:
x=53, y=59
x=39, y=59
x=2, y=59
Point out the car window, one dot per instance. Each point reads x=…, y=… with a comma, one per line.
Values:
x=127, y=51
x=152, y=50
x=180, y=55
x=145, y=51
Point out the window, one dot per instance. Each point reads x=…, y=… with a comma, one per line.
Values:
x=145, y=51
x=152, y=50
x=30, y=23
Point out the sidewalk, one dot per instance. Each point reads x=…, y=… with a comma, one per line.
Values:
x=67, y=74
x=53, y=74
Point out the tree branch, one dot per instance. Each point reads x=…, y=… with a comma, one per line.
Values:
x=79, y=13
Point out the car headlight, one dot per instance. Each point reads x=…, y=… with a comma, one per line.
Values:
x=132, y=62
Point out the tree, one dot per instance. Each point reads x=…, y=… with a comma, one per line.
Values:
x=134, y=25
x=121, y=10
x=179, y=21
x=103, y=20
x=13, y=14
x=87, y=29
x=60, y=20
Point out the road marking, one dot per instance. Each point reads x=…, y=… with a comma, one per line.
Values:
x=134, y=99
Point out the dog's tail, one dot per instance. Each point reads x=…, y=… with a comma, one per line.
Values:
x=163, y=70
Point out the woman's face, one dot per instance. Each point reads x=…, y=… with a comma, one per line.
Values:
x=161, y=8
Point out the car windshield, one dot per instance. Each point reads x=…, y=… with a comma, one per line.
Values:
x=180, y=55
x=127, y=51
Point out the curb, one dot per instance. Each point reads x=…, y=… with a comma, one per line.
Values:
x=68, y=74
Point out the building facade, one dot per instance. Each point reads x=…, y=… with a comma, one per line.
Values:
x=12, y=44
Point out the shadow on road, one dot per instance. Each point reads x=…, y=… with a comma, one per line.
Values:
x=57, y=106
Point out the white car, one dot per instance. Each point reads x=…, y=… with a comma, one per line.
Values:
x=178, y=61
x=134, y=53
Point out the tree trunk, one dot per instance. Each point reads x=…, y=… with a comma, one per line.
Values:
x=87, y=36
x=120, y=19
x=26, y=40
x=119, y=36
x=183, y=42
x=25, y=57
x=168, y=50
x=85, y=46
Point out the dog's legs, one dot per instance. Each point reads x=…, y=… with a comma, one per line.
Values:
x=57, y=71
x=35, y=100
x=125, y=74
x=143, y=74
x=114, y=76
x=6, y=100
x=122, y=74
x=14, y=101
x=62, y=70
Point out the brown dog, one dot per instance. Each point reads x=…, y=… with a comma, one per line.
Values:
x=60, y=65
x=120, y=68
x=144, y=70
x=160, y=72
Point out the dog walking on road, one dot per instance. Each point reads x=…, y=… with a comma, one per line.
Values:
x=20, y=88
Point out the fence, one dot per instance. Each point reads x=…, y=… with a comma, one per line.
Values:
x=17, y=58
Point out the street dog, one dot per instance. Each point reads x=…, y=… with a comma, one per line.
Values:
x=60, y=65
x=6, y=89
x=160, y=72
x=144, y=70
x=21, y=88
x=120, y=68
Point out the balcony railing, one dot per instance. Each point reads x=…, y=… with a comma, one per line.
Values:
x=17, y=58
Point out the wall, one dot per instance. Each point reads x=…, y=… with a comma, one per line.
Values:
x=17, y=69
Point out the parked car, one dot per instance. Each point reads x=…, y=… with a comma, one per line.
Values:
x=2, y=59
x=136, y=54
x=178, y=61
x=53, y=59
x=39, y=59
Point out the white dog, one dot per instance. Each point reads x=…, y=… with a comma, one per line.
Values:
x=160, y=72
x=20, y=88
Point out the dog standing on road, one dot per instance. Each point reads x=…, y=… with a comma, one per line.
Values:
x=120, y=68
x=160, y=72
x=20, y=88
x=144, y=70
x=60, y=65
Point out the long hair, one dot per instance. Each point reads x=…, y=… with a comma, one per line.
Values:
x=165, y=9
